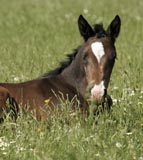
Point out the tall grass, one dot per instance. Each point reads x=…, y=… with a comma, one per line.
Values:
x=34, y=36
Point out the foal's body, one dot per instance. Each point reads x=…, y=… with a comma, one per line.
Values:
x=35, y=93
x=89, y=65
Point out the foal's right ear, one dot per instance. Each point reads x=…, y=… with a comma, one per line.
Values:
x=114, y=28
x=85, y=29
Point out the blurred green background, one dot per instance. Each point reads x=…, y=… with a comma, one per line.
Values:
x=35, y=35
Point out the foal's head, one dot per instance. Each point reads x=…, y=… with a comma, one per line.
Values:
x=98, y=55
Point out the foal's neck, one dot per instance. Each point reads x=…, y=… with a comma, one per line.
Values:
x=75, y=76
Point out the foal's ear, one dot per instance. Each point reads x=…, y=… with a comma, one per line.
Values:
x=85, y=29
x=114, y=28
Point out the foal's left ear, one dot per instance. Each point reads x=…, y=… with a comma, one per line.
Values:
x=114, y=28
x=85, y=29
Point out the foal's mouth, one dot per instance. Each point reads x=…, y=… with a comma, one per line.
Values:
x=105, y=99
x=98, y=93
x=99, y=100
x=103, y=104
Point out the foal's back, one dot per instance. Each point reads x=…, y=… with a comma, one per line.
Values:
x=35, y=94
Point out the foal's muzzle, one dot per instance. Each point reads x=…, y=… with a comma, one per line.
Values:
x=99, y=99
x=106, y=104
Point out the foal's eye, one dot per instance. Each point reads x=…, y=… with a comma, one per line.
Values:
x=85, y=59
x=113, y=57
x=112, y=60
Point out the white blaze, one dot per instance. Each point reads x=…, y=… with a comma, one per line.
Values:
x=98, y=50
x=98, y=91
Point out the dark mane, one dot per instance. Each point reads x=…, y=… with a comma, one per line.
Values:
x=99, y=32
x=63, y=64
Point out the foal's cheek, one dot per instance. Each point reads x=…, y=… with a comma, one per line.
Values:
x=87, y=73
x=93, y=74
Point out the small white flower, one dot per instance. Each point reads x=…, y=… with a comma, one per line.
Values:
x=85, y=11
x=3, y=143
x=115, y=100
x=3, y=148
x=118, y=145
x=132, y=93
x=31, y=149
x=139, y=103
x=21, y=149
x=12, y=142
x=115, y=88
x=140, y=158
x=129, y=133
x=16, y=79
x=125, y=109
x=97, y=155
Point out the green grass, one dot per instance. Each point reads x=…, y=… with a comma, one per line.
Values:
x=34, y=36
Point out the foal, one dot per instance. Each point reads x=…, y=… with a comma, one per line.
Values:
x=90, y=64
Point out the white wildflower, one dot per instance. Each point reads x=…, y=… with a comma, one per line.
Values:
x=16, y=79
x=97, y=155
x=115, y=100
x=140, y=103
x=125, y=109
x=12, y=142
x=21, y=149
x=132, y=93
x=85, y=11
x=118, y=145
x=3, y=143
x=3, y=148
x=140, y=158
x=129, y=133
x=115, y=88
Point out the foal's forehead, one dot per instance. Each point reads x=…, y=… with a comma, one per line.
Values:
x=105, y=43
x=100, y=47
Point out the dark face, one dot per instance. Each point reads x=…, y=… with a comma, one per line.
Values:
x=98, y=55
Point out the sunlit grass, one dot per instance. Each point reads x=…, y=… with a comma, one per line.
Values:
x=34, y=36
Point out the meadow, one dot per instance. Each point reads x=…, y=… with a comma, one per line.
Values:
x=35, y=35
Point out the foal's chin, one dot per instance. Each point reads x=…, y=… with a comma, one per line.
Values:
x=105, y=100
x=105, y=103
x=96, y=101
